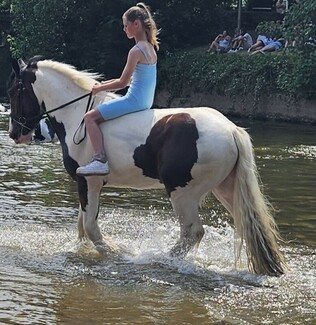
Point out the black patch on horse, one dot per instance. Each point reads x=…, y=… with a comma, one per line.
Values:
x=170, y=151
x=70, y=164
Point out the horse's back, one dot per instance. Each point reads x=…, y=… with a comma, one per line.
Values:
x=139, y=124
x=170, y=146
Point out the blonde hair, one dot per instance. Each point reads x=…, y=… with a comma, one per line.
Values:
x=143, y=14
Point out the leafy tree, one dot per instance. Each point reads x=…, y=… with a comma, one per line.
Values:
x=37, y=26
x=5, y=4
x=271, y=29
x=300, y=22
x=85, y=33
x=192, y=23
x=89, y=34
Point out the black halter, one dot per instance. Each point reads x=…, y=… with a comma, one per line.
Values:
x=22, y=120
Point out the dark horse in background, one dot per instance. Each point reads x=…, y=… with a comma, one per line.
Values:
x=191, y=152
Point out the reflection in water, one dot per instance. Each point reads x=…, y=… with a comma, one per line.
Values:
x=46, y=276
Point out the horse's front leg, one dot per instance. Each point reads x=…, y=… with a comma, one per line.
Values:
x=192, y=231
x=89, y=194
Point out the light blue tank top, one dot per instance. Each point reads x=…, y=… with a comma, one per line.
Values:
x=143, y=85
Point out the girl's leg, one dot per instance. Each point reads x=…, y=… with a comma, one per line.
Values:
x=99, y=165
x=268, y=48
x=92, y=120
x=257, y=46
x=213, y=47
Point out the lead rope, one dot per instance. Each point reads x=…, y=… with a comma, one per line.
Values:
x=81, y=125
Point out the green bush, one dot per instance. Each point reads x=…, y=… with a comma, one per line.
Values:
x=291, y=74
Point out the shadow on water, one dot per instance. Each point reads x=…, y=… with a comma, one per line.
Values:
x=46, y=276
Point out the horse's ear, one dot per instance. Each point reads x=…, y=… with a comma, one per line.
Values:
x=34, y=60
x=15, y=67
x=21, y=64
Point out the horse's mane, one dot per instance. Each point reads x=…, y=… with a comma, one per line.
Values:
x=84, y=79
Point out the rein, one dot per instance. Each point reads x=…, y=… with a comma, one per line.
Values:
x=45, y=114
x=88, y=108
x=23, y=120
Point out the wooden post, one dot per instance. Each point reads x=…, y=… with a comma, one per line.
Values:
x=239, y=15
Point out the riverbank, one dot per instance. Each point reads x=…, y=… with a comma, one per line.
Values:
x=276, y=107
x=277, y=86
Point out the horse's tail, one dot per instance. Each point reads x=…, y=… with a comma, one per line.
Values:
x=252, y=213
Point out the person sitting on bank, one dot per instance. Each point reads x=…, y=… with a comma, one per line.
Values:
x=261, y=42
x=280, y=7
x=221, y=43
x=243, y=41
x=273, y=46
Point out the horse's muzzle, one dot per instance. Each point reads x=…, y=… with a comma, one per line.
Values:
x=27, y=138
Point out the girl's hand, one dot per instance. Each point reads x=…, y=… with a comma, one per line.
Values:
x=96, y=88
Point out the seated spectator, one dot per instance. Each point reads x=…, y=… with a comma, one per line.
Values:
x=280, y=7
x=243, y=41
x=221, y=43
x=272, y=46
x=261, y=42
x=236, y=40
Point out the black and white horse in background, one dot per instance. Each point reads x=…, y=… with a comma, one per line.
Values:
x=44, y=131
x=3, y=109
x=188, y=151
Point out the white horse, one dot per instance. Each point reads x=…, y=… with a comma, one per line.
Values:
x=188, y=151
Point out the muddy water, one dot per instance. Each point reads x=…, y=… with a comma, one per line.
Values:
x=47, y=277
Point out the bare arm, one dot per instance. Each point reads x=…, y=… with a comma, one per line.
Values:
x=218, y=37
x=124, y=80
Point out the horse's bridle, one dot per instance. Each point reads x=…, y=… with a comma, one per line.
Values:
x=22, y=120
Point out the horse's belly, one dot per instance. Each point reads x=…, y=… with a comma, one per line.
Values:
x=131, y=178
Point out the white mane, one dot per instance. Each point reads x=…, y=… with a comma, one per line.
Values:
x=83, y=79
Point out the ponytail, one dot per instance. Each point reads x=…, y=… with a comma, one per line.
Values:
x=142, y=12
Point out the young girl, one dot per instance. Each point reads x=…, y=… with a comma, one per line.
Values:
x=140, y=70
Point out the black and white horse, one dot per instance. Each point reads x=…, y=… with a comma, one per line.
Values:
x=3, y=109
x=188, y=151
x=44, y=131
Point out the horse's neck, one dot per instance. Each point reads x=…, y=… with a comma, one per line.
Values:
x=56, y=90
x=55, y=93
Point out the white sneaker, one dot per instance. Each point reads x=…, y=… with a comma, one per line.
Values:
x=95, y=167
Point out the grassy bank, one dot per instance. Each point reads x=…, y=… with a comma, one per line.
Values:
x=239, y=74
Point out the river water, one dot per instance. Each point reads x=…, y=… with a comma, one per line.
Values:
x=47, y=277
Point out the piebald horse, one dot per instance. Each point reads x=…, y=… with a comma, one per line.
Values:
x=188, y=151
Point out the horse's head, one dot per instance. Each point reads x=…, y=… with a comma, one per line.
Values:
x=25, y=107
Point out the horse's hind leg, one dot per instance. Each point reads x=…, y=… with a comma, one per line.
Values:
x=80, y=227
x=192, y=231
x=225, y=190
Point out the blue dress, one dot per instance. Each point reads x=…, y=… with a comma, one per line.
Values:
x=140, y=95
